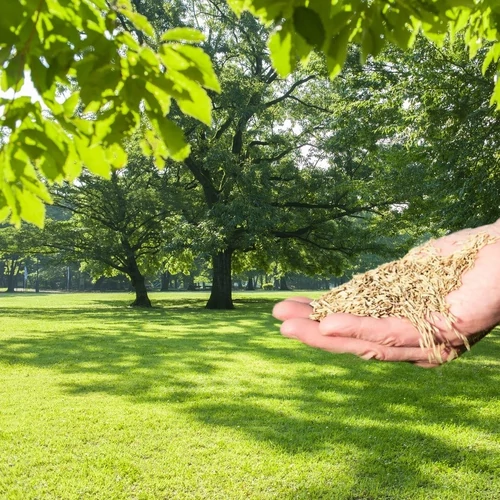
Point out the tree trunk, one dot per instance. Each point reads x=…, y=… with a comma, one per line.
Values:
x=165, y=281
x=141, y=293
x=13, y=269
x=283, y=284
x=137, y=279
x=221, y=294
x=11, y=283
x=250, y=284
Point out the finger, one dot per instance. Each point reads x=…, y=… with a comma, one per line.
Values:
x=396, y=332
x=308, y=332
x=288, y=309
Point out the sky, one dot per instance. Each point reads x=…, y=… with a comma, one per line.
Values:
x=27, y=90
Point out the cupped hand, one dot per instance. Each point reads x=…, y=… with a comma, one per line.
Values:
x=476, y=305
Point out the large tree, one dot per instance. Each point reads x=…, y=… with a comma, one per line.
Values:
x=442, y=133
x=452, y=132
x=122, y=225
x=281, y=172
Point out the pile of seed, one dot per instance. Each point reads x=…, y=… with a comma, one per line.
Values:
x=414, y=287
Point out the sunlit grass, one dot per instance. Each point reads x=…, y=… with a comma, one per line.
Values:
x=98, y=400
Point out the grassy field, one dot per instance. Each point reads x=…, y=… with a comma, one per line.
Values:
x=100, y=401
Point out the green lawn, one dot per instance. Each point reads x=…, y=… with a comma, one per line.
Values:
x=100, y=401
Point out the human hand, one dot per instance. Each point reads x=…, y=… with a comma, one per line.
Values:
x=476, y=305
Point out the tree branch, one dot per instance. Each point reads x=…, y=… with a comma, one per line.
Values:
x=223, y=128
x=289, y=91
x=308, y=105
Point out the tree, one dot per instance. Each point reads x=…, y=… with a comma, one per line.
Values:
x=98, y=68
x=16, y=248
x=453, y=134
x=442, y=134
x=273, y=175
x=117, y=226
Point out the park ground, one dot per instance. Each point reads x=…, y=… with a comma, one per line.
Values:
x=101, y=401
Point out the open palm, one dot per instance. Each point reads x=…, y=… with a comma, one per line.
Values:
x=476, y=305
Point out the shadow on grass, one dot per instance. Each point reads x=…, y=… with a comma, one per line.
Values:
x=232, y=369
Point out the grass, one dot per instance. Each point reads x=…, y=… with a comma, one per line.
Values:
x=100, y=401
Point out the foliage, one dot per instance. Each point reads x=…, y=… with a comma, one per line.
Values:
x=284, y=174
x=98, y=67
x=437, y=134
x=452, y=135
x=330, y=26
x=121, y=225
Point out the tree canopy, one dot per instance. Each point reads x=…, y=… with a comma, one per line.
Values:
x=99, y=67
x=121, y=225
x=281, y=173
x=331, y=26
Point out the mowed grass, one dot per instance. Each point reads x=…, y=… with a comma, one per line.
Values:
x=100, y=401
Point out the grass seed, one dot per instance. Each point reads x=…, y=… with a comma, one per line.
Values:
x=414, y=287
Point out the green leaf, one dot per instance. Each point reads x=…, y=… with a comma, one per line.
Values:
x=195, y=58
x=84, y=126
x=71, y=103
x=116, y=156
x=139, y=21
x=73, y=166
x=172, y=137
x=492, y=55
x=127, y=39
x=190, y=97
x=157, y=98
x=337, y=52
x=308, y=24
x=53, y=158
x=4, y=209
x=152, y=145
x=282, y=50
x=93, y=157
x=183, y=34
x=149, y=57
x=13, y=74
x=32, y=207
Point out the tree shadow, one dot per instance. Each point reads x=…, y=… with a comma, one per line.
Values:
x=301, y=400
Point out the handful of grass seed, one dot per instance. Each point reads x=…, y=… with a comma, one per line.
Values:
x=414, y=287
